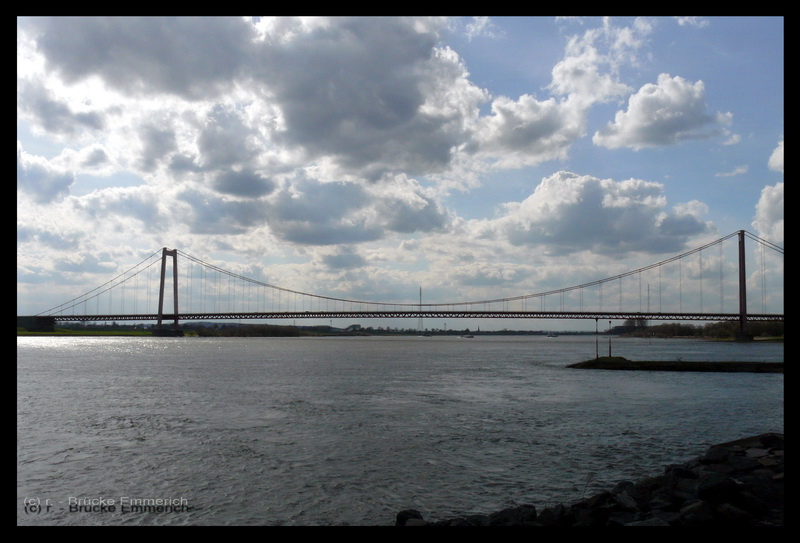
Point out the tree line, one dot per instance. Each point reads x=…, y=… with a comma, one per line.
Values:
x=716, y=330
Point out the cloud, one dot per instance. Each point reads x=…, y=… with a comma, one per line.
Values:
x=527, y=131
x=111, y=206
x=569, y=212
x=589, y=71
x=344, y=259
x=310, y=212
x=481, y=27
x=49, y=236
x=38, y=178
x=738, y=170
x=54, y=115
x=224, y=140
x=245, y=184
x=193, y=57
x=768, y=221
x=665, y=113
x=776, y=158
x=94, y=158
x=340, y=138
x=373, y=94
x=699, y=22
x=157, y=143
x=403, y=206
x=209, y=213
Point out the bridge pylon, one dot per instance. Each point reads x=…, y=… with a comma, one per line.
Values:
x=744, y=332
x=176, y=331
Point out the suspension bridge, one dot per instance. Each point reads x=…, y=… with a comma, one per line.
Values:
x=708, y=283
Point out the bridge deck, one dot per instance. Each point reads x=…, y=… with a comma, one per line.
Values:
x=448, y=314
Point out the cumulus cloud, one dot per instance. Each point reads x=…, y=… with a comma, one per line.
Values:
x=53, y=114
x=309, y=212
x=776, y=158
x=405, y=207
x=526, y=131
x=768, y=221
x=481, y=27
x=157, y=143
x=206, y=212
x=569, y=212
x=313, y=213
x=665, y=113
x=224, y=139
x=114, y=204
x=41, y=180
x=529, y=131
x=194, y=57
x=589, y=69
x=374, y=94
x=246, y=184
x=343, y=259
x=324, y=135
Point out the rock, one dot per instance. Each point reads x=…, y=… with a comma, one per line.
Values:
x=739, y=483
x=478, y=520
x=522, y=515
x=715, y=455
x=407, y=514
x=622, y=518
x=733, y=515
x=696, y=513
x=650, y=522
x=558, y=515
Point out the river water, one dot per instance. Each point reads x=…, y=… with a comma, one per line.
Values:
x=349, y=431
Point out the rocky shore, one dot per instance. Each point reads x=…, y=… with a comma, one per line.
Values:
x=739, y=483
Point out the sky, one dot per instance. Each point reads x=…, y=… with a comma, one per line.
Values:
x=369, y=157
